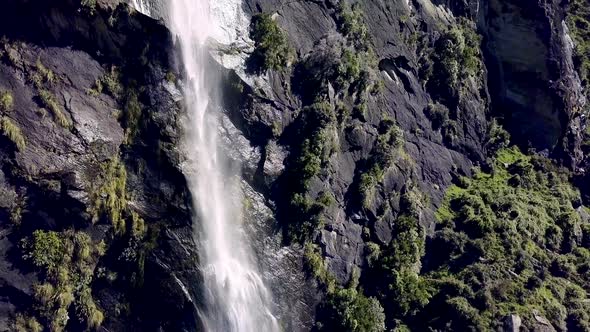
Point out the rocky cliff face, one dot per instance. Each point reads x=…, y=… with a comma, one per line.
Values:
x=349, y=128
x=98, y=117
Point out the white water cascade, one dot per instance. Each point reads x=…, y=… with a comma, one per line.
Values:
x=236, y=298
x=142, y=6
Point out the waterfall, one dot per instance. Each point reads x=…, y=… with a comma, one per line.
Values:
x=142, y=6
x=235, y=298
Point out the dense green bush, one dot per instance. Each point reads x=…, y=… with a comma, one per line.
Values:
x=66, y=261
x=352, y=25
x=131, y=117
x=456, y=55
x=111, y=82
x=394, y=271
x=509, y=246
x=437, y=113
x=508, y=242
x=272, y=50
x=45, y=250
x=343, y=309
x=26, y=324
x=347, y=309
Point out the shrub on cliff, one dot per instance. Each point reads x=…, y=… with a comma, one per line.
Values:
x=347, y=309
x=456, y=54
x=578, y=21
x=510, y=241
x=272, y=50
x=66, y=260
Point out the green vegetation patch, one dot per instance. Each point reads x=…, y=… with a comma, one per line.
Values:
x=6, y=101
x=272, y=50
x=131, y=117
x=66, y=261
x=48, y=100
x=510, y=242
x=304, y=215
x=344, y=308
x=108, y=197
x=456, y=55
x=13, y=132
x=389, y=144
x=578, y=22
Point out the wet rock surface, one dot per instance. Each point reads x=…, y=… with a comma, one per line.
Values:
x=527, y=78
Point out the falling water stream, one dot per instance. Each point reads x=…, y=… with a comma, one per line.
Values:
x=235, y=298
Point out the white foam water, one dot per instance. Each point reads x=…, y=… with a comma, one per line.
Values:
x=236, y=298
x=142, y=6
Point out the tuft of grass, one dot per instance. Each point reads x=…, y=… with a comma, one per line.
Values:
x=108, y=198
x=49, y=102
x=131, y=117
x=46, y=74
x=6, y=101
x=13, y=132
x=111, y=82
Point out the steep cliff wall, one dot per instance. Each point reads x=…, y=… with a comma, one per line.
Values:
x=381, y=189
x=92, y=96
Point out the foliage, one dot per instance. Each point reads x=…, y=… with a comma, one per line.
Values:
x=66, y=261
x=343, y=309
x=6, y=101
x=357, y=65
x=314, y=263
x=351, y=23
x=509, y=242
x=108, y=197
x=46, y=74
x=131, y=116
x=347, y=309
x=26, y=324
x=308, y=160
x=456, y=55
x=394, y=271
x=438, y=114
x=13, y=132
x=388, y=144
x=46, y=250
x=111, y=82
x=89, y=5
x=578, y=22
x=49, y=102
x=272, y=50
x=499, y=138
